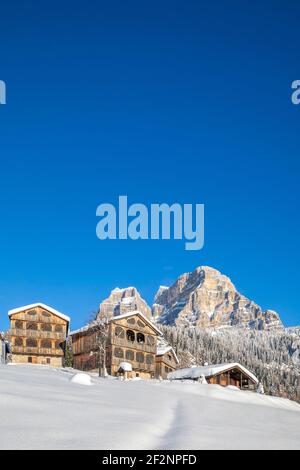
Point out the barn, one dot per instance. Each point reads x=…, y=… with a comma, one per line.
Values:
x=233, y=374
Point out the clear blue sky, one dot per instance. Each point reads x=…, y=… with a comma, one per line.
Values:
x=164, y=101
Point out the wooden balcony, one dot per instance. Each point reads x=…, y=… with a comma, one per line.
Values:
x=37, y=334
x=124, y=343
x=35, y=318
x=37, y=351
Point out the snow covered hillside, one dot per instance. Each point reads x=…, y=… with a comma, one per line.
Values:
x=41, y=408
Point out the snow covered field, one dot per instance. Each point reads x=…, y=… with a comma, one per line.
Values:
x=40, y=408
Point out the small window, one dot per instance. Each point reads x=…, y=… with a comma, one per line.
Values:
x=140, y=324
x=48, y=361
x=119, y=353
x=130, y=335
x=32, y=313
x=46, y=344
x=19, y=325
x=31, y=343
x=58, y=328
x=46, y=314
x=119, y=332
x=129, y=355
x=131, y=321
x=139, y=357
x=140, y=338
x=46, y=327
x=170, y=357
x=30, y=360
x=149, y=359
x=18, y=342
x=31, y=326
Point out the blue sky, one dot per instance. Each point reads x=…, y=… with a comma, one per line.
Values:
x=183, y=102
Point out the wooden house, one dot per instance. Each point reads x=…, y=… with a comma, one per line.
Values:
x=37, y=334
x=166, y=361
x=132, y=339
x=221, y=374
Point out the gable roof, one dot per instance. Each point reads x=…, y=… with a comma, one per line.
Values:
x=209, y=371
x=120, y=317
x=161, y=350
x=39, y=304
x=141, y=315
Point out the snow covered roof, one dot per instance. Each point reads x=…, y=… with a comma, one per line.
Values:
x=39, y=304
x=208, y=371
x=162, y=349
x=120, y=317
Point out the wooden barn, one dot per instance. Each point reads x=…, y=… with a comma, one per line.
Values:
x=132, y=339
x=221, y=374
x=166, y=361
x=37, y=334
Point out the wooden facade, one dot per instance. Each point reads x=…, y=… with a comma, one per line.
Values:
x=132, y=338
x=233, y=377
x=37, y=335
x=166, y=361
x=233, y=374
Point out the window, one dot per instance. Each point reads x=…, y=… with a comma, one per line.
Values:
x=119, y=353
x=48, y=360
x=131, y=321
x=46, y=343
x=31, y=343
x=140, y=324
x=129, y=355
x=18, y=342
x=139, y=357
x=119, y=332
x=130, y=335
x=30, y=360
x=149, y=359
x=19, y=325
x=150, y=341
x=140, y=338
x=46, y=327
x=31, y=326
x=170, y=357
x=32, y=313
x=58, y=328
x=46, y=314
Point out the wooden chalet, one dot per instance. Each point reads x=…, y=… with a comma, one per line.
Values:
x=166, y=361
x=37, y=334
x=132, y=339
x=221, y=374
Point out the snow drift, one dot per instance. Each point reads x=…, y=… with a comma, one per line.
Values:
x=41, y=409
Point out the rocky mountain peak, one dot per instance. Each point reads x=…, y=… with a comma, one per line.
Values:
x=122, y=301
x=207, y=298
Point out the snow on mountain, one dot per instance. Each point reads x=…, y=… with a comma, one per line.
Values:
x=41, y=408
x=123, y=301
x=208, y=299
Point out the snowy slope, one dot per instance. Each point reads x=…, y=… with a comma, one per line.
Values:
x=41, y=408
